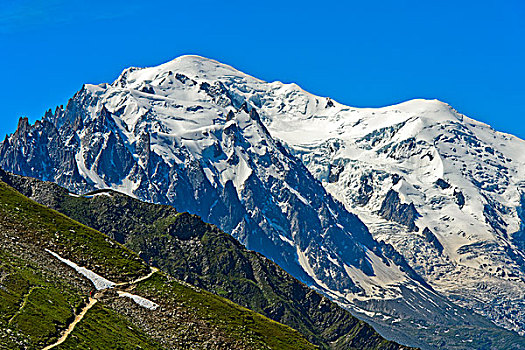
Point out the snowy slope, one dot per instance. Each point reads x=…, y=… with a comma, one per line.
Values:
x=204, y=137
x=465, y=181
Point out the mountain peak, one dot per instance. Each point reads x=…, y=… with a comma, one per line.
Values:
x=192, y=66
x=424, y=103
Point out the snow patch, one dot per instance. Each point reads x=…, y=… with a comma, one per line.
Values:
x=146, y=303
x=98, y=194
x=98, y=281
x=287, y=240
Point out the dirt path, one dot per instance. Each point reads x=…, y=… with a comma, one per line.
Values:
x=24, y=302
x=153, y=270
x=92, y=301
x=78, y=318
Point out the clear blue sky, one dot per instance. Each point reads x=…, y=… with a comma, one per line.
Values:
x=470, y=54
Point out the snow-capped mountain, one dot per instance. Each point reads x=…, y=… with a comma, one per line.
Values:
x=263, y=161
x=446, y=191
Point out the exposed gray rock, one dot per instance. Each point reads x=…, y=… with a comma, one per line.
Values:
x=442, y=184
x=460, y=198
x=393, y=209
x=365, y=189
x=431, y=238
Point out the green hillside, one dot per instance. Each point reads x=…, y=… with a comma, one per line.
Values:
x=185, y=247
x=40, y=296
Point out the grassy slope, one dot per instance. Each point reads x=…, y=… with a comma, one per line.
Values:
x=184, y=246
x=102, y=328
x=33, y=223
x=25, y=296
x=38, y=295
x=188, y=249
x=36, y=305
x=237, y=321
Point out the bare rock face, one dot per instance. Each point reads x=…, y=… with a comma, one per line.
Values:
x=405, y=214
x=431, y=238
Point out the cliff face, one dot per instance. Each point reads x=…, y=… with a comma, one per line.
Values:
x=392, y=209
